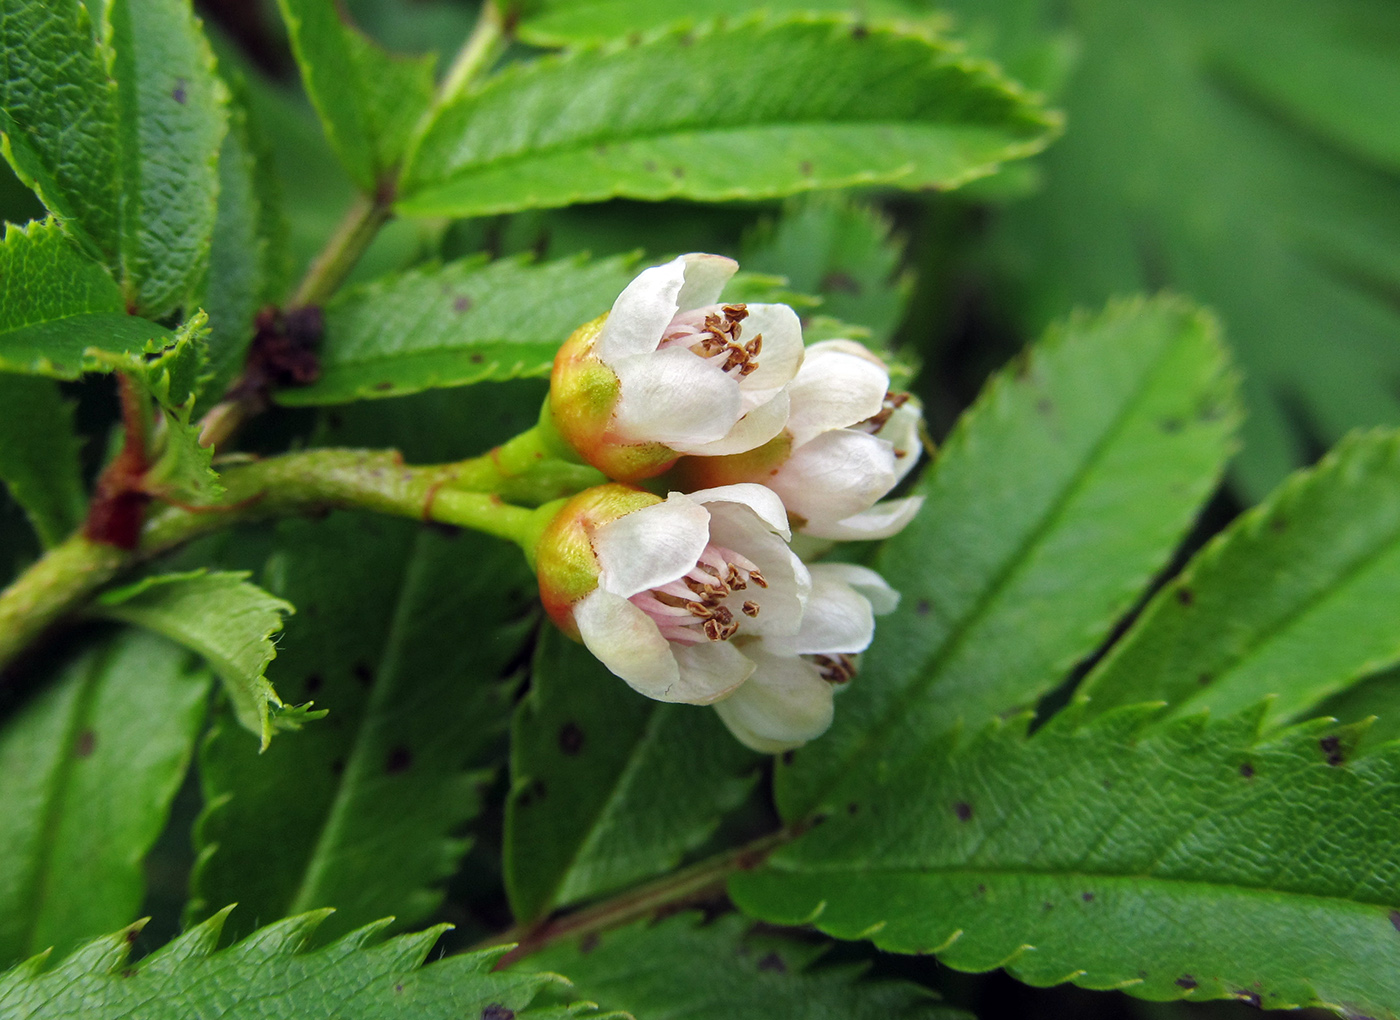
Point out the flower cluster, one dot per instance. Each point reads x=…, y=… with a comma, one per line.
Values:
x=698, y=596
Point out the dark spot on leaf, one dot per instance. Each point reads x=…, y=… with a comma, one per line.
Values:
x=844, y=282
x=1170, y=425
x=1395, y=919
x=852, y=808
x=1108, y=784
x=461, y=303
x=806, y=168
x=651, y=166
x=677, y=172
x=496, y=1011
x=922, y=607
x=314, y=682
x=382, y=386
x=981, y=889
x=859, y=32
x=685, y=39
x=87, y=743
x=1045, y=406
x=178, y=92
x=1186, y=981
x=130, y=972
x=589, y=942
x=1332, y=748
x=1250, y=997
x=399, y=759
x=1185, y=596
x=1204, y=679
x=1278, y=524
x=963, y=810
x=398, y=988
x=1142, y=974
x=570, y=739
x=363, y=673
x=477, y=358
x=1247, y=770
x=773, y=962
x=1048, y=906
x=635, y=39
x=1212, y=411
x=338, y=767
x=787, y=757
x=533, y=792
x=131, y=935
x=1087, y=897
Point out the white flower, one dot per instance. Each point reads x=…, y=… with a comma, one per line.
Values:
x=690, y=376
x=788, y=700
x=848, y=441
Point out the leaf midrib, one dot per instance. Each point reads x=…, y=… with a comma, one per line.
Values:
x=934, y=663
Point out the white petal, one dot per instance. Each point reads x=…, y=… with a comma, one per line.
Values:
x=881, y=521
x=709, y=671
x=902, y=432
x=851, y=347
x=782, y=352
x=783, y=705
x=651, y=546
x=763, y=501
x=780, y=604
x=838, y=474
x=627, y=641
x=749, y=433
x=705, y=277
x=838, y=619
x=834, y=388
x=883, y=599
x=674, y=396
x=641, y=313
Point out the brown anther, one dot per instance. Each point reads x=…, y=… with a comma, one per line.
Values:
x=736, y=313
x=893, y=401
x=713, y=630
x=750, y=608
x=700, y=609
x=709, y=591
x=835, y=669
x=757, y=578
x=723, y=615
x=753, y=347
x=734, y=580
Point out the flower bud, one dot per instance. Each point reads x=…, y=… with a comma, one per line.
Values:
x=848, y=441
x=669, y=372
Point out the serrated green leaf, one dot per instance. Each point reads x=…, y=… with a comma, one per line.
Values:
x=1244, y=153
x=1197, y=862
x=404, y=643
x=368, y=100
x=1057, y=497
x=57, y=307
x=39, y=456
x=465, y=322
x=683, y=968
x=88, y=768
x=222, y=617
x=247, y=256
x=841, y=251
x=168, y=370
x=268, y=976
x=800, y=104
x=1293, y=602
x=58, y=114
x=607, y=787
x=1374, y=701
x=172, y=121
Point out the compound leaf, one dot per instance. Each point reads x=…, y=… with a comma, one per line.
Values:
x=803, y=103
x=405, y=644
x=222, y=617
x=88, y=768
x=607, y=787
x=270, y=976
x=1293, y=602
x=1192, y=861
x=681, y=968
x=1055, y=500
x=368, y=100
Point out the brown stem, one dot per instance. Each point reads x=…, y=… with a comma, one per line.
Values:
x=118, y=502
x=690, y=885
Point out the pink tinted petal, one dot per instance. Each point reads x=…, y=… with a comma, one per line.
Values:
x=749, y=432
x=882, y=598
x=642, y=312
x=834, y=388
x=705, y=277
x=836, y=475
x=838, y=619
x=781, y=355
x=709, y=671
x=881, y=521
x=626, y=641
x=651, y=546
x=674, y=397
x=783, y=705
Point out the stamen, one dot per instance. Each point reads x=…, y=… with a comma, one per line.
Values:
x=717, y=334
x=692, y=608
x=835, y=669
x=893, y=402
x=750, y=608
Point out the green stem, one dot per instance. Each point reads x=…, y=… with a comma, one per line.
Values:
x=356, y=230
x=697, y=883
x=477, y=55
x=469, y=493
